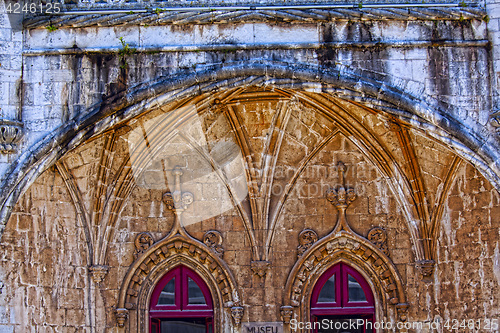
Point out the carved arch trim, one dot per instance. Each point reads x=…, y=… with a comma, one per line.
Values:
x=373, y=264
x=166, y=254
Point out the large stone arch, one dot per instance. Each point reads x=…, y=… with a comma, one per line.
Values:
x=418, y=112
x=174, y=250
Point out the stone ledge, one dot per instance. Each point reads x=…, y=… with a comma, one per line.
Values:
x=234, y=16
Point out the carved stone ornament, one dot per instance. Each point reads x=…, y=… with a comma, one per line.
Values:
x=11, y=132
x=426, y=267
x=495, y=121
x=143, y=241
x=402, y=309
x=98, y=272
x=260, y=267
x=306, y=239
x=342, y=196
x=286, y=313
x=121, y=316
x=237, y=314
x=178, y=201
x=213, y=239
x=378, y=236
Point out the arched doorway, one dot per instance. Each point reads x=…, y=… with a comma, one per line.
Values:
x=181, y=303
x=342, y=302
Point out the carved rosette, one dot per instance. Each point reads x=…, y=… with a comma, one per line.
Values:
x=143, y=242
x=121, y=316
x=378, y=237
x=426, y=267
x=306, y=239
x=213, y=240
x=11, y=132
x=260, y=267
x=286, y=313
x=98, y=272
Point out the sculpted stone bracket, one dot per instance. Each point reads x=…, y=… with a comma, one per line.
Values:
x=260, y=267
x=98, y=272
x=11, y=132
x=286, y=313
x=426, y=267
x=237, y=314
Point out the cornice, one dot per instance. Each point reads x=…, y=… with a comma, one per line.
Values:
x=234, y=16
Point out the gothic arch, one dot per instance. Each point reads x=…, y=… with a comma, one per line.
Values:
x=424, y=115
x=359, y=253
x=170, y=252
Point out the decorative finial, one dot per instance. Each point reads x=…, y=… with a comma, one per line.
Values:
x=177, y=201
x=341, y=198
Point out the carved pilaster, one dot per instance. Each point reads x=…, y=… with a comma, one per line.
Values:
x=306, y=239
x=237, y=314
x=260, y=267
x=121, y=316
x=143, y=242
x=286, y=313
x=11, y=132
x=213, y=239
x=98, y=272
x=426, y=267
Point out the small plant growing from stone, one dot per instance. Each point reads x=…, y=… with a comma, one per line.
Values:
x=51, y=28
x=124, y=52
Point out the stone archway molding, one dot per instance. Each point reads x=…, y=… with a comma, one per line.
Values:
x=171, y=251
x=354, y=250
x=473, y=146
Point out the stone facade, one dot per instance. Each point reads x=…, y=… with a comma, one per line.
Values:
x=257, y=147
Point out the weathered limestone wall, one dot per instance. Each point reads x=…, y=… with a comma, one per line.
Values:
x=44, y=263
x=431, y=181
x=45, y=266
